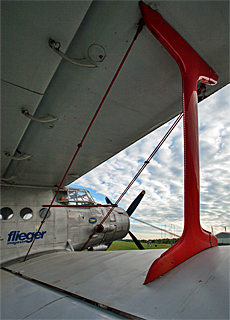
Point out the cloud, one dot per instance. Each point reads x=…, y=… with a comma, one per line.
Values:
x=214, y=159
x=163, y=177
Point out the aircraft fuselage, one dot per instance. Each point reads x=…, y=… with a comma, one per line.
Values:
x=65, y=227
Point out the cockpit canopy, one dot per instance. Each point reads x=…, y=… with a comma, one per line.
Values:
x=74, y=196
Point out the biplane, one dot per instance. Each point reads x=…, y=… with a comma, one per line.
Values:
x=81, y=81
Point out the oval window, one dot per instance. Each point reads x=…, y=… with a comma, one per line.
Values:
x=6, y=213
x=26, y=213
x=42, y=213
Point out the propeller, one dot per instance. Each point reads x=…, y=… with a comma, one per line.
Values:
x=108, y=201
x=130, y=211
x=135, y=203
x=136, y=241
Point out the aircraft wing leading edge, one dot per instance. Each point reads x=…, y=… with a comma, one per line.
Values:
x=146, y=94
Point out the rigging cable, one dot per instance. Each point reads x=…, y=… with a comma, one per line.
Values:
x=136, y=176
x=139, y=29
x=151, y=225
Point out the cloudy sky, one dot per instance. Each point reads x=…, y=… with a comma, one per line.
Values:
x=162, y=179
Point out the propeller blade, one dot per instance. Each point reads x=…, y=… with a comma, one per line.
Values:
x=135, y=203
x=108, y=201
x=109, y=245
x=136, y=241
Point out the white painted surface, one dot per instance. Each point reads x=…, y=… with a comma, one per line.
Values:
x=196, y=289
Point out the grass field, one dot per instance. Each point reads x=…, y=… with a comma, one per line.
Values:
x=123, y=245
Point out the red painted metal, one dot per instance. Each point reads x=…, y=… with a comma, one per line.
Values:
x=193, y=69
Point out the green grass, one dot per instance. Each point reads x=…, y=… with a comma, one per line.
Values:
x=126, y=245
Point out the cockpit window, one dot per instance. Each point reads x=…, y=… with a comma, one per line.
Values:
x=6, y=213
x=80, y=196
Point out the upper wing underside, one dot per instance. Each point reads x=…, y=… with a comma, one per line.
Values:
x=146, y=94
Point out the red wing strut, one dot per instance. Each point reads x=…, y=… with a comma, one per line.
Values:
x=193, y=69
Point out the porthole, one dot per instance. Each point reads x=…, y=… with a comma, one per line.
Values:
x=42, y=213
x=6, y=213
x=26, y=213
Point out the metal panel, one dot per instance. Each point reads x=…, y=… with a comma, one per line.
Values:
x=196, y=289
x=146, y=94
x=33, y=198
x=26, y=28
x=13, y=123
x=22, y=299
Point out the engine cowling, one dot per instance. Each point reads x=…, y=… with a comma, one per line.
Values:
x=83, y=222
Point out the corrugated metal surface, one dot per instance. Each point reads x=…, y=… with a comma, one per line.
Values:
x=147, y=93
